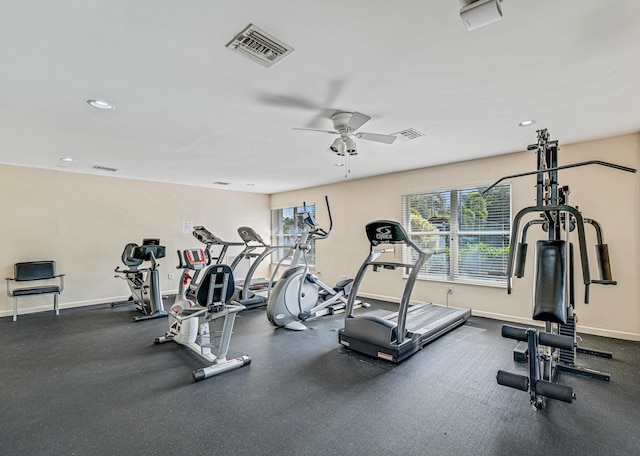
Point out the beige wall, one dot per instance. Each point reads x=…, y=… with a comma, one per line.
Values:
x=83, y=223
x=608, y=196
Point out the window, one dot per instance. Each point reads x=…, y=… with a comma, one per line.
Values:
x=286, y=227
x=470, y=228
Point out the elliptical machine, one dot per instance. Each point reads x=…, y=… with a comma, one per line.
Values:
x=299, y=295
x=144, y=283
x=189, y=321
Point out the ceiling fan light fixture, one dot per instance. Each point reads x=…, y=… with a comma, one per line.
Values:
x=338, y=147
x=351, y=146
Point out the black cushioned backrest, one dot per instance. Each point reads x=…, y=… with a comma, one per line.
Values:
x=34, y=270
x=549, y=303
x=216, y=285
x=127, y=257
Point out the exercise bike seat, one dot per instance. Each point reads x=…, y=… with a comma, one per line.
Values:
x=216, y=287
x=128, y=260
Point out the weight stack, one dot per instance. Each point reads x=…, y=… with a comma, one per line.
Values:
x=568, y=329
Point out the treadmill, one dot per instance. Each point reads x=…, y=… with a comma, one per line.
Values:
x=394, y=336
x=256, y=251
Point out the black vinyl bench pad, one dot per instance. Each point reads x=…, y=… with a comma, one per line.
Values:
x=31, y=271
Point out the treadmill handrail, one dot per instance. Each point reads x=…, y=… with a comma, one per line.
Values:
x=406, y=294
x=390, y=263
x=414, y=269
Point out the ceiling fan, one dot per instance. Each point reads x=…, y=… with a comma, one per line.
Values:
x=346, y=125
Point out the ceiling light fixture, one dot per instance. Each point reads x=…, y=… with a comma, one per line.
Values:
x=526, y=123
x=351, y=146
x=335, y=146
x=67, y=159
x=338, y=147
x=101, y=104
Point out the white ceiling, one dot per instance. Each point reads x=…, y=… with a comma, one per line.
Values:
x=191, y=111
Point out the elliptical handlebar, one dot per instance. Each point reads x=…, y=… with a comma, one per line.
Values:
x=181, y=264
x=320, y=233
x=194, y=259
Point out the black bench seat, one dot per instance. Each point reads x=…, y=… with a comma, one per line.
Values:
x=32, y=271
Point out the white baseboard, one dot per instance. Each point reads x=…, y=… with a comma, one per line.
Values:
x=71, y=305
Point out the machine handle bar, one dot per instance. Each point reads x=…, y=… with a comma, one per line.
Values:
x=573, y=165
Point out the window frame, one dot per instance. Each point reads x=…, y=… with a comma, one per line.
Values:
x=277, y=234
x=456, y=231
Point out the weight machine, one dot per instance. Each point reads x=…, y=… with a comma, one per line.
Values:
x=555, y=348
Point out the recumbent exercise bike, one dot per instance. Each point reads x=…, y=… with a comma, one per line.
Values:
x=190, y=320
x=144, y=283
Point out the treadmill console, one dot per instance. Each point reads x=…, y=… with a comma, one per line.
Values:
x=248, y=234
x=386, y=232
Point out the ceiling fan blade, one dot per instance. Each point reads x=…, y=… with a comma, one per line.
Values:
x=357, y=120
x=320, y=131
x=335, y=88
x=321, y=117
x=287, y=101
x=387, y=139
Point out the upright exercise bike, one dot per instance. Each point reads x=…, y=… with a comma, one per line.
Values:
x=190, y=320
x=144, y=283
x=299, y=295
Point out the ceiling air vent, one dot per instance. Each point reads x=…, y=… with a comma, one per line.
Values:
x=408, y=134
x=259, y=46
x=105, y=168
x=220, y=183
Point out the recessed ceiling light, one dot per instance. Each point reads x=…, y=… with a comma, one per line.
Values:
x=526, y=123
x=339, y=164
x=67, y=159
x=101, y=104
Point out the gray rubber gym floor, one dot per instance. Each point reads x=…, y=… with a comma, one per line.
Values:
x=91, y=382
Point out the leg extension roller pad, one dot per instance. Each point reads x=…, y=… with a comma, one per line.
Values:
x=555, y=391
x=519, y=382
